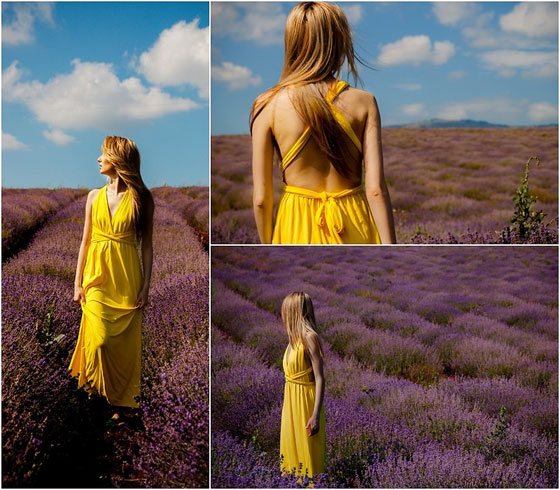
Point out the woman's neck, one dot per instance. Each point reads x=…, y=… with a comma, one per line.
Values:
x=117, y=185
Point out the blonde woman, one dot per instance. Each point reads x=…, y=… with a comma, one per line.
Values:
x=302, y=432
x=327, y=136
x=110, y=285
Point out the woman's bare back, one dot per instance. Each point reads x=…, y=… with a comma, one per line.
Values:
x=312, y=169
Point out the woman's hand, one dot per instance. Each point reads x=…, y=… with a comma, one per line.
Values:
x=142, y=299
x=312, y=425
x=79, y=296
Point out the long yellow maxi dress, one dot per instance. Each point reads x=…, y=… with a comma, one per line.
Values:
x=107, y=357
x=300, y=453
x=306, y=216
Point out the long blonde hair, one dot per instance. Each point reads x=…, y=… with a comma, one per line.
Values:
x=123, y=154
x=317, y=42
x=299, y=320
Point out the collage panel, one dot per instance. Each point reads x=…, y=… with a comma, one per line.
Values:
x=105, y=249
x=155, y=333
x=418, y=367
x=454, y=113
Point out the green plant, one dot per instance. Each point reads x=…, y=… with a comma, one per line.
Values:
x=45, y=331
x=493, y=443
x=524, y=220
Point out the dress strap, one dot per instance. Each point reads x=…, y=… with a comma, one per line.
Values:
x=296, y=148
x=293, y=152
x=341, y=118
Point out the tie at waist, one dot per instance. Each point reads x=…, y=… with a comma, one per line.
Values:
x=329, y=211
x=98, y=235
x=296, y=378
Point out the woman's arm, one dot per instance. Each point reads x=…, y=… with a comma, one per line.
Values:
x=79, y=296
x=263, y=152
x=147, y=256
x=376, y=188
x=317, y=364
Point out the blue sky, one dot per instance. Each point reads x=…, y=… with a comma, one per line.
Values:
x=75, y=72
x=484, y=60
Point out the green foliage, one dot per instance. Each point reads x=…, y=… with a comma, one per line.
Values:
x=493, y=444
x=524, y=220
x=45, y=330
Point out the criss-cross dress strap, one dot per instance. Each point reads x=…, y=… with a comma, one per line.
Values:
x=299, y=144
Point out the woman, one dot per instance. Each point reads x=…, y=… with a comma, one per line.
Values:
x=109, y=285
x=324, y=133
x=302, y=430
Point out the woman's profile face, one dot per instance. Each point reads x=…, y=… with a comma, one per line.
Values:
x=105, y=167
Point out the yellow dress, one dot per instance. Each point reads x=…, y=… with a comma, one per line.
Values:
x=107, y=357
x=296, y=447
x=306, y=216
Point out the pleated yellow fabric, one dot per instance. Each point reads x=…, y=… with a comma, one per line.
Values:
x=300, y=453
x=107, y=358
x=305, y=216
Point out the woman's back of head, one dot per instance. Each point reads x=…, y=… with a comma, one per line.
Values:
x=298, y=317
x=318, y=43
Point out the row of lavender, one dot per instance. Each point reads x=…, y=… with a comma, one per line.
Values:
x=191, y=203
x=52, y=434
x=25, y=210
x=447, y=185
x=422, y=352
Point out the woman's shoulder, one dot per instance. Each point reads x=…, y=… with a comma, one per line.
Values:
x=91, y=197
x=268, y=98
x=93, y=193
x=359, y=95
x=364, y=101
x=312, y=338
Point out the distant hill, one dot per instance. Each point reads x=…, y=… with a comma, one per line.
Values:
x=445, y=123
x=462, y=123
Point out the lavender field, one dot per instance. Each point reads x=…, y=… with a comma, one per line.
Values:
x=448, y=180
x=25, y=210
x=53, y=436
x=441, y=364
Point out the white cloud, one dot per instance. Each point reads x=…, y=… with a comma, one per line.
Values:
x=533, y=63
x=236, y=77
x=543, y=112
x=413, y=109
x=451, y=13
x=263, y=22
x=455, y=75
x=480, y=35
x=354, y=12
x=486, y=37
x=10, y=142
x=20, y=18
x=415, y=50
x=178, y=57
x=507, y=72
x=534, y=19
x=499, y=110
x=545, y=71
x=409, y=86
x=91, y=96
x=58, y=137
